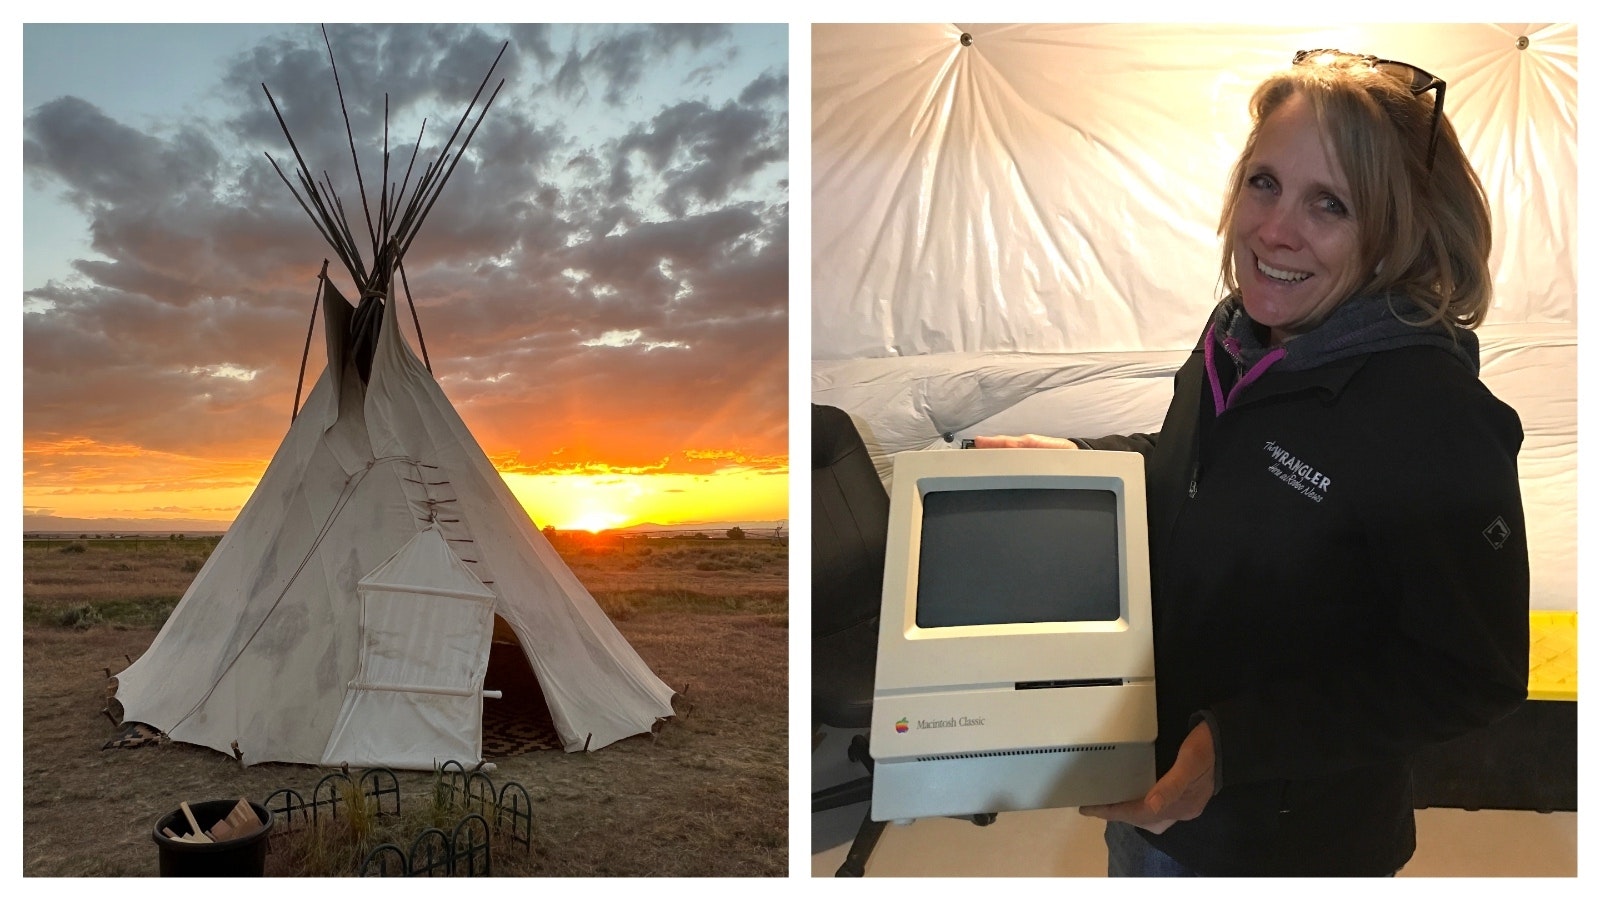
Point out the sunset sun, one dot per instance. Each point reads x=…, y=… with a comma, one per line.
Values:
x=594, y=521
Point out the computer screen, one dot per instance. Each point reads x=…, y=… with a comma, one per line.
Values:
x=993, y=555
x=990, y=557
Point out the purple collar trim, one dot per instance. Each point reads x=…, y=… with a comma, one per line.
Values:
x=1256, y=371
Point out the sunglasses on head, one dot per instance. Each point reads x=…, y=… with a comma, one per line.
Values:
x=1417, y=80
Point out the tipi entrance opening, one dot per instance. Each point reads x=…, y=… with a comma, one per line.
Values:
x=519, y=721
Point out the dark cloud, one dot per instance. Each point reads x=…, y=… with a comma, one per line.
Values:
x=415, y=69
x=565, y=284
x=703, y=153
x=534, y=40
x=617, y=63
x=770, y=86
x=568, y=82
x=159, y=209
x=106, y=163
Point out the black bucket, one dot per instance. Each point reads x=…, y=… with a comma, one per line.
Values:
x=243, y=855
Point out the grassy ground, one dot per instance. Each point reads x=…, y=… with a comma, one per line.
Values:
x=707, y=795
x=78, y=583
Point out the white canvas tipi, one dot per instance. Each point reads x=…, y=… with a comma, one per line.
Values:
x=349, y=614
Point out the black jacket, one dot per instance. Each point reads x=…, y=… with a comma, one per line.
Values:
x=1339, y=576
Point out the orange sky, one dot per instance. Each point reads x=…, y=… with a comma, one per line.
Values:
x=574, y=473
x=597, y=502
x=83, y=480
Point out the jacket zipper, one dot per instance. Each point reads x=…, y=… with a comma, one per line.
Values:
x=1194, y=480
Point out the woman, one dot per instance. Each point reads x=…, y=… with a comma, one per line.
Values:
x=1339, y=567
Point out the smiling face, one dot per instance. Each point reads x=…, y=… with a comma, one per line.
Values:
x=1296, y=248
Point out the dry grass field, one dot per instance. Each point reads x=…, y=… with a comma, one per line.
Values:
x=706, y=796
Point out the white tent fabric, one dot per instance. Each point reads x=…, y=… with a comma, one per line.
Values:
x=261, y=652
x=1017, y=233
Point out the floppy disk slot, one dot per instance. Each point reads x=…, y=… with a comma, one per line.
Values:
x=1069, y=683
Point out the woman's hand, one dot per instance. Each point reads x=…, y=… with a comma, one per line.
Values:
x=1178, y=796
x=1025, y=440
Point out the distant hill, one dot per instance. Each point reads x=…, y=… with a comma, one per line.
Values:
x=753, y=527
x=62, y=525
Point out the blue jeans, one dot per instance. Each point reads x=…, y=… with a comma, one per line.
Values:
x=1128, y=855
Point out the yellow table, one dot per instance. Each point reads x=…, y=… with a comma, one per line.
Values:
x=1552, y=655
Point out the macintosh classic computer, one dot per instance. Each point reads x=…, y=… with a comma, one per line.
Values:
x=1015, y=661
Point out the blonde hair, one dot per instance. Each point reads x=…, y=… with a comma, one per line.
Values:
x=1422, y=234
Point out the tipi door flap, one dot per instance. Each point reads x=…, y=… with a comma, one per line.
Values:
x=423, y=642
x=426, y=624
x=416, y=697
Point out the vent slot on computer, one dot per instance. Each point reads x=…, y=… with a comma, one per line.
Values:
x=1093, y=748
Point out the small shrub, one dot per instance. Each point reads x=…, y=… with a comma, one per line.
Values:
x=193, y=564
x=441, y=803
x=362, y=814
x=616, y=607
x=74, y=547
x=80, y=617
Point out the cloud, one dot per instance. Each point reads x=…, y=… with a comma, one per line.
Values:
x=567, y=226
x=690, y=462
x=62, y=467
x=701, y=154
x=620, y=60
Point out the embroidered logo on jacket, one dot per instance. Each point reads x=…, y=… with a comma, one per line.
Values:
x=1297, y=474
x=1497, y=533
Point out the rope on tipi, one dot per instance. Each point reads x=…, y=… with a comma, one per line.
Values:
x=322, y=279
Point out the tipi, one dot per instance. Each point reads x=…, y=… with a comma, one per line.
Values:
x=350, y=613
